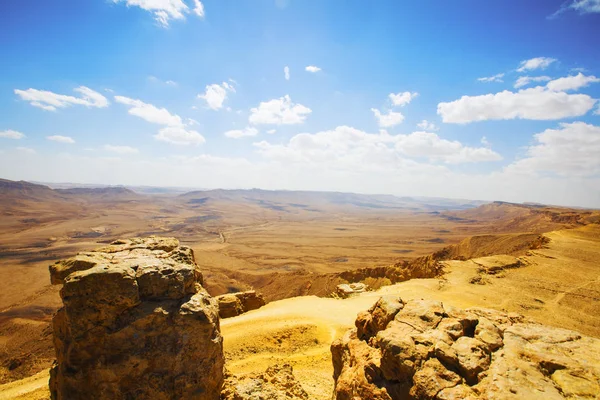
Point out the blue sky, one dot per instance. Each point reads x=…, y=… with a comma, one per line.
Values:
x=407, y=98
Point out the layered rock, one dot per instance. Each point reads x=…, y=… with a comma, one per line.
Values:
x=276, y=383
x=233, y=304
x=136, y=324
x=424, y=350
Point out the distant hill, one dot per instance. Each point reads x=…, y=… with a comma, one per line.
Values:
x=281, y=200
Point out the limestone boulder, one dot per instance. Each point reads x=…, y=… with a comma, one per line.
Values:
x=276, y=383
x=136, y=324
x=233, y=304
x=431, y=351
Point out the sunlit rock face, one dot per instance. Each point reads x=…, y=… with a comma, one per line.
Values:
x=425, y=350
x=136, y=324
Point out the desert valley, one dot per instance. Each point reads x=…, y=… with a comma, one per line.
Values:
x=294, y=249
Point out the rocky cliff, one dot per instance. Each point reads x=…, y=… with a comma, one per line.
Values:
x=424, y=350
x=136, y=324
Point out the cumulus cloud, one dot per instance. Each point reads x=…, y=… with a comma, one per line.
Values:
x=494, y=78
x=388, y=120
x=526, y=80
x=61, y=139
x=427, y=126
x=280, y=111
x=271, y=131
x=286, y=73
x=174, y=131
x=348, y=148
x=570, y=150
x=572, y=82
x=50, y=101
x=179, y=135
x=216, y=94
x=536, y=103
x=402, y=99
x=165, y=10
x=11, y=134
x=149, y=112
x=239, y=133
x=535, y=63
x=312, y=68
x=121, y=149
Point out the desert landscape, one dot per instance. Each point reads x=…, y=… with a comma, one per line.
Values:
x=294, y=249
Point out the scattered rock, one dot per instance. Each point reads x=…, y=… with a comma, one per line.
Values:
x=494, y=264
x=346, y=290
x=424, y=350
x=136, y=323
x=276, y=383
x=233, y=304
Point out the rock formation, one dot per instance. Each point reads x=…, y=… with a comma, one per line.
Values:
x=424, y=350
x=233, y=304
x=136, y=324
x=276, y=383
x=345, y=290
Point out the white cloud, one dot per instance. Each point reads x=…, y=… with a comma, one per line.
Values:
x=535, y=63
x=485, y=141
x=121, y=149
x=312, y=68
x=494, y=78
x=199, y=8
x=388, y=120
x=585, y=6
x=571, y=150
x=427, y=126
x=179, y=135
x=280, y=111
x=572, y=82
x=27, y=150
x=402, y=99
x=150, y=112
x=174, y=131
x=286, y=73
x=239, y=133
x=11, y=134
x=347, y=148
x=271, y=131
x=50, y=101
x=535, y=103
x=61, y=139
x=430, y=145
x=167, y=82
x=165, y=10
x=526, y=80
x=216, y=94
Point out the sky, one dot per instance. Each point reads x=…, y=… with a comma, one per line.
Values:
x=487, y=100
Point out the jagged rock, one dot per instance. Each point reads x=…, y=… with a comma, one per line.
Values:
x=429, y=351
x=276, y=383
x=345, y=290
x=136, y=323
x=233, y=304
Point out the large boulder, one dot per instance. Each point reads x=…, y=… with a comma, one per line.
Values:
x=276, y=383
x=233, y=304
x=136, y=324
x=424, y=350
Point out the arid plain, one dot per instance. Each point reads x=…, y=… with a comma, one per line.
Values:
x=288, y=244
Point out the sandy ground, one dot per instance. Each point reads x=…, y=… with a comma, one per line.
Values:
x=559, y=285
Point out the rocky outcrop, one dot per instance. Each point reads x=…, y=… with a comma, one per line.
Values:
x=345, y=290
x=136, y=324
x=233, y=304
x=276, y=383
x=424, y=350
x=492, y=265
